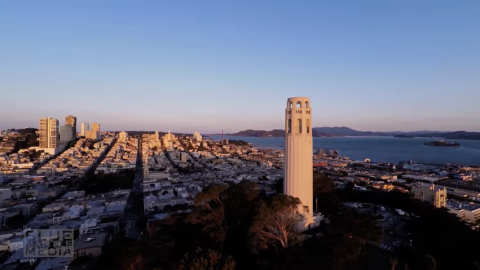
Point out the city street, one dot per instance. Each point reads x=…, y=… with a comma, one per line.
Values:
x=135, y=203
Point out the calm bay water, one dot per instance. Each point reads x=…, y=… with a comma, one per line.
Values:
x=385, y=149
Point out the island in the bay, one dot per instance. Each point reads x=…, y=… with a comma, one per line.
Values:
x=442, y=143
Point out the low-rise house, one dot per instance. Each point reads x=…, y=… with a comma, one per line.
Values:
x=90, y=245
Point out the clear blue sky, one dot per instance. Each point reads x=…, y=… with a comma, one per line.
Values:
x=211, y=65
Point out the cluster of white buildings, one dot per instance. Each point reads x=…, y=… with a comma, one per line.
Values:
x=20, y=163
x=7, y=132
x=97, y=218
x=122, y=156
x=207, y=162
x=91, y=132
x=44, y=202
x=77, y=160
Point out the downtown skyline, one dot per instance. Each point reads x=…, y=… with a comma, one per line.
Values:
x=205, y=67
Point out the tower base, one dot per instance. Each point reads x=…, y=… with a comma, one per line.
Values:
x=309, y=221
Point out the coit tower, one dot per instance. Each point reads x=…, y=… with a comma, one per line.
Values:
x=298, y=169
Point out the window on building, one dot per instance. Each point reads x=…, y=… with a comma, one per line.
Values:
x=299, y=125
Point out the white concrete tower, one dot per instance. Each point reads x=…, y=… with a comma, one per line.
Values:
x=298, y=167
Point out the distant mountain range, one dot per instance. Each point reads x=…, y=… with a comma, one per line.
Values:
x=275, y=133
x=345, y=131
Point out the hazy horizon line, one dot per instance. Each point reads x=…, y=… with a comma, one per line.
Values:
x=229, y=131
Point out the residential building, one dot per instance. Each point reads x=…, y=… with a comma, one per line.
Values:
x=90, y=245
x=169, y=137
x=434, y=195
x=72, y=121
x=465, y=211
x=49, y=136
x=5, y=194
x=122, y=136
x=197, y=137
x=84, y=127
x=92, y=135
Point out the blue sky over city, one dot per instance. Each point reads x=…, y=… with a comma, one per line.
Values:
x=212, y=65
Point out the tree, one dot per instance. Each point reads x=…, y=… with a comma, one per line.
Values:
x=207, y=260
x=278, y=186
x=393, y=263
x=324, y=192
x=357, y=225
x=208, y=211
x=349, y=186
x=322, y=183
x=346, y=253
x=135, y=263
x=429, y=262
x=124, y=254
x=16, y=222
x=275, y=222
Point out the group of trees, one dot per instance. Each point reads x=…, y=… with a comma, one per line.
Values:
x=105, y=182
x=28, y=140
x=16, y=222
x=33, y=155
x=238, y=215
x=238, y=142
x=237, y=226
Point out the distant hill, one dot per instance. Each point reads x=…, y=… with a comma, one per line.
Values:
x=275, y=133
x=27, y=130
x=459, y=135
x=345, y=131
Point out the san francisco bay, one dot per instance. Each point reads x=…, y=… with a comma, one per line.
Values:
x=384, y=149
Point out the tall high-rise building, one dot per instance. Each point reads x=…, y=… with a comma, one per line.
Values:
x=49, y=136
x=72, y=121
x=84, y=127
x=66, y=134
x=298, y=167
x=95, y=127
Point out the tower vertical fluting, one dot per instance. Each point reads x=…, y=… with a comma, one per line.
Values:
x=298, y=169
